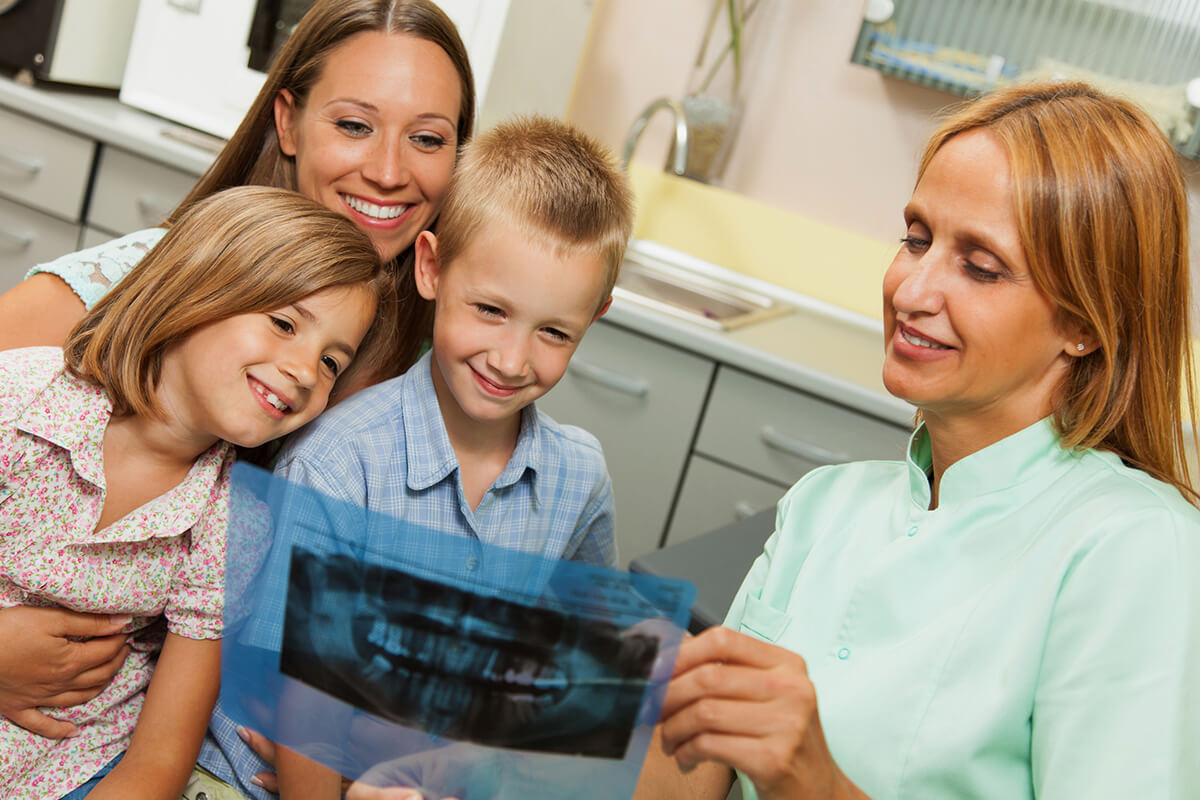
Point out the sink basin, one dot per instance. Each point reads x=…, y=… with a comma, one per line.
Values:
x=699, y=298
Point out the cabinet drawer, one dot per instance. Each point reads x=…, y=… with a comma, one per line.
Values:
x=780, y=433
x=132, y=193
x=715, y=495
x=642, y=400
x=29, y=237
x=42, y=166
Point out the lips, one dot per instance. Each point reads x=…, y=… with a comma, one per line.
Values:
x=491, y=387
x=918, y=340
x=271, y=401
x=381, y=212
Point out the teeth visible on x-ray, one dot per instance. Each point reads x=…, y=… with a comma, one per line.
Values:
x=460, y=664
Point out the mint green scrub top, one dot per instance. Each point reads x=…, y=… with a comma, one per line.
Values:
x=1037, y=635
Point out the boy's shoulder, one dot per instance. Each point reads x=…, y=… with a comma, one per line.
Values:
x=571, y=446
x=373, y=415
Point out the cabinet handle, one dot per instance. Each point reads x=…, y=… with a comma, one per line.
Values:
x=801, y=449
x=152, y=210
x=635, y=387
x=742, y=510
x=16, y=240
x=23, y=163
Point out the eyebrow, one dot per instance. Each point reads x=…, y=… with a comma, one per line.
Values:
x=308, y=315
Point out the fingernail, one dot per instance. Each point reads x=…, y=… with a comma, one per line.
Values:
x=117, y=619
x=257, y=781
x=243, y=734
x=73, y=734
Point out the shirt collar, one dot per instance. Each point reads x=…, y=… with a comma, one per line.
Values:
x=429, y=453
x=72, y=414
x=1030, y=454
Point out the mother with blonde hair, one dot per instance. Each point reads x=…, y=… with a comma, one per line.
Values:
x=1014, y=610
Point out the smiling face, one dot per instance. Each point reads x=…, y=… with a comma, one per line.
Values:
x=255, y=377
x=375, y=139
x=969, y=336
x=509, y=315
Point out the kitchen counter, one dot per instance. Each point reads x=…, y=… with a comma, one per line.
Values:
x=101, y=116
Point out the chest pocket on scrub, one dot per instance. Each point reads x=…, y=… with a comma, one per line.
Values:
x=763, y=621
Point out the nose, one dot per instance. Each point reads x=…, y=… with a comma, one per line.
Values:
x=300, y=365
x=509, y=356
x=387, y=166
x=917, y=284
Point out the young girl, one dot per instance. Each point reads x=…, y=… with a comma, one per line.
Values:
x=115, y=455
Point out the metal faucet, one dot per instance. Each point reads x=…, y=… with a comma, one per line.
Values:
x=679, y=163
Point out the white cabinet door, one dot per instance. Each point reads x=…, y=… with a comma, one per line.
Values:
x=42, y=166
x=642, y=400
x=29, y=237
x=715, y=495
x=132, y=192
x=780, y=433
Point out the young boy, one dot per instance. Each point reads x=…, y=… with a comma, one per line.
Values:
x=528, y=249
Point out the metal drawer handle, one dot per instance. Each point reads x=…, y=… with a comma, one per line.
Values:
x=16, y=240
x=743, y=509
x=24, y=163
x=801, y=449
x=152, y=210
x=635, y=387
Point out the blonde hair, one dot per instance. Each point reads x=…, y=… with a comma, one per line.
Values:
x=1102, y=209
x=253, y=156
x=548, y=178
x=242, y=250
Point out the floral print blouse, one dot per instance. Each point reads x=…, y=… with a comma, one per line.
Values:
x=162, y=564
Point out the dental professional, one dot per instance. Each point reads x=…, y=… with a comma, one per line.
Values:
x=364, y=110
x=1014, y=610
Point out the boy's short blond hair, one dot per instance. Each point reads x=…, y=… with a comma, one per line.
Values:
x=241, y=250
x=550, y=180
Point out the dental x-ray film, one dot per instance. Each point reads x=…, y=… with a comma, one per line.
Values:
x=403, y=656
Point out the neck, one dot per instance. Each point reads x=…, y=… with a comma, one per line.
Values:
x=952, y=439
x=160, y=442
x=482, y=448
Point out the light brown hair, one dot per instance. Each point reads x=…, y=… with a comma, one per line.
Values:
x=549, y=179
x=1102, y=210
x=253, y=156
x=242, y=250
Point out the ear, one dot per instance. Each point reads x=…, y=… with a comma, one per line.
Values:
x=603, y=309
x=285, y=122
x=1081, y=341
x=425, y=265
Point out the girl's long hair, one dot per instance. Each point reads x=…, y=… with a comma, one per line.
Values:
x=242, y=250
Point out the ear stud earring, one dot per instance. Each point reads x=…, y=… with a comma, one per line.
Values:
x=1079, y=347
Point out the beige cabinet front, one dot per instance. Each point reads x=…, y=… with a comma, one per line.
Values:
x=29, y=237
x=642, y=399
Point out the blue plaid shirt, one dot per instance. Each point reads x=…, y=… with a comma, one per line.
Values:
x=386, y=449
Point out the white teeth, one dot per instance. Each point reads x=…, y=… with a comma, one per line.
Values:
x=919, y=342
x=372, y=210
x=274, y=400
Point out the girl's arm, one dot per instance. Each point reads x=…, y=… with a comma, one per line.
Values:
x=171, y=727
x=40, y=310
